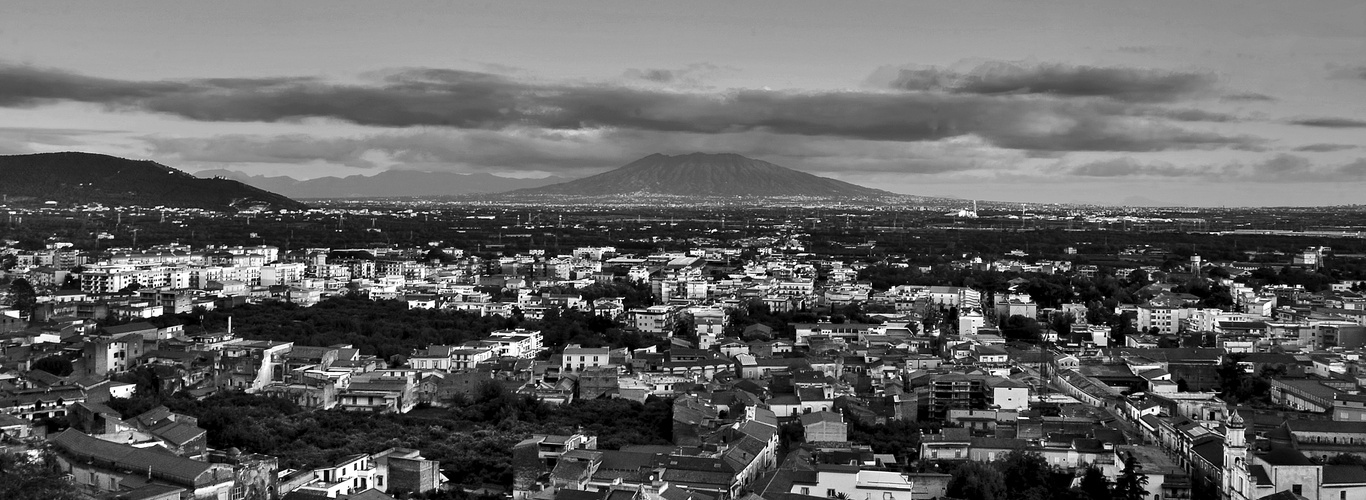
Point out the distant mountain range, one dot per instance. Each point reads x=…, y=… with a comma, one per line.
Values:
x=386, y=184
x=703, y=175
x=83, y=178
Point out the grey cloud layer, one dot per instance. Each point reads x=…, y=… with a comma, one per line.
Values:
x=576, y=154
x=1280, y=168
x=478, y=150
x=997, y=78
x=1324, y=147
x=1330, y=122
x=483, y=101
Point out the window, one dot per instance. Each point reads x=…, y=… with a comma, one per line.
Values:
x=806, y=491
x=1297, y=489
x=830, y=492
x=886, y=495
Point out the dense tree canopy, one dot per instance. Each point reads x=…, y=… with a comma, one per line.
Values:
x=1239, y=387
x=473, y=439
x=55, y=365
x=1018, y=475
x=22, y=478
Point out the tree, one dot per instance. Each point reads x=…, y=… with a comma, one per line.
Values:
x=1132, y=483
x=1018, y=327
x=22, y=478
x=72, y=282
x=25, y=297
x=1061, y=322
x=931, y=319
x=1138, y=278
x=1094, y=484
x=1029, y=475
x=977, y=481
x=55, y=365
x=1238, y=387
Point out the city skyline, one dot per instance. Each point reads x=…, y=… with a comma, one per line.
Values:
x=1220, y=103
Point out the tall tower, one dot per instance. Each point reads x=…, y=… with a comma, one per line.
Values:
x=1235, y=456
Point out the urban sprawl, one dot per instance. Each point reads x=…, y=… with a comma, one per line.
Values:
x=762, y=370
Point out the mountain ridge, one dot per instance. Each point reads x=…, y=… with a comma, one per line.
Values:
x=703, y=175
x=78, y=177
x=385, y=184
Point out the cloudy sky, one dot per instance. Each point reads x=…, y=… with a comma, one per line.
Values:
x=1195, y=103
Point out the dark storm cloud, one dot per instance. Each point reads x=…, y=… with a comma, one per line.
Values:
x=483, y=101
x=1124, y=167
x=1191, y=115
x=1247, y=97
x=28, y=86
x=1324, y=147
x=998, y=78
x=477, y=150
x=1330, y=122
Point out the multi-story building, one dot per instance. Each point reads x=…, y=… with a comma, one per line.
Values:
x=108, y=354
x=39, y=404
x=517, y=343
x=956, y=390
x=954, y=296
x=250, y=365
x=111, y=278
x=381, y=392
x=171, y=301
x=104, y=467
x=1349, y=407
x=854, y=482
x=352, y=474
x=575, y=358
x=824, y=427
x=282, y=274
x=850, y=332
x=658, y=320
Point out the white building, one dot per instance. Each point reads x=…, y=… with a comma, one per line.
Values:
x=575, y=358
x=517, y=343
x=840, y=481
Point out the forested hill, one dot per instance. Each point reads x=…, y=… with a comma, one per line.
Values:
x=81, y=178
